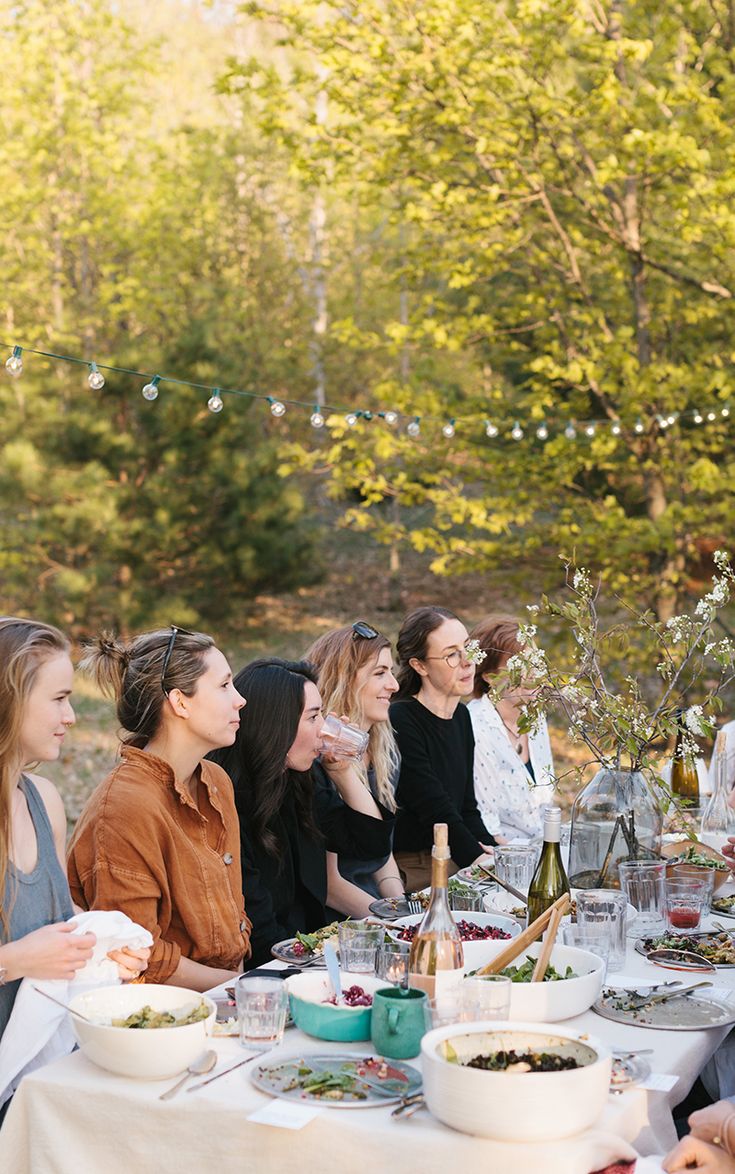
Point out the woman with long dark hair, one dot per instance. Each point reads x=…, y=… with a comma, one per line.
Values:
x=287, y=823
x=434, y=735
x=159, y=837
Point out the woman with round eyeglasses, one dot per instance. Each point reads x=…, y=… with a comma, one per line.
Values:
x=434, y=735
x=356, y=681
x=159, y=837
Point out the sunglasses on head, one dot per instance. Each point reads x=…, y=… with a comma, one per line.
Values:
x=167, y=657
x=364, y=631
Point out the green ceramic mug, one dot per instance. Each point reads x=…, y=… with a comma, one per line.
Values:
x=400, y=1019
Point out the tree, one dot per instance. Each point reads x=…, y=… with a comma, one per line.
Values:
x=566, y=237
x=139, y=235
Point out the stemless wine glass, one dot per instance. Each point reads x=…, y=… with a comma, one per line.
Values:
x=515, y=864
x=594, y=938
x=342, y=740
x=358, y=946
x=685, y=901
x=485, y=996
x=262, y=1004
x=606, y=908
x=392, y=962
x=644, y=884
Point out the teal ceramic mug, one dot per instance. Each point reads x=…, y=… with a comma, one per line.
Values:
x=400, y=1019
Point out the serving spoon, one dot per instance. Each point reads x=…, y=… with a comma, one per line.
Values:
x=205, y=1063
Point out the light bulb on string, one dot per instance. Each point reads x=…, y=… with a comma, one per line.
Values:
x=351, y=419
x=616, y=428
x=570, y=431
x=638, y=427
x=14, y=362
x=725, y=412
x=542, y=431
x=150, y=391
x=316, y=419
x=663, y=422
x=448, y=430
x=672, y=417
x=278, y=408
x=390, y=417
x=413, y=428
x=516, y=431
x=95, y=379
x=698, y=417
x=711, y=416
x=491, y=429
x=590, y=430
x=215, y=403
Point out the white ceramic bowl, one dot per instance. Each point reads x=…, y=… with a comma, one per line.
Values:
x=549, y=1002
x=508, y=924
x=147, y=1054
x=531, y=1106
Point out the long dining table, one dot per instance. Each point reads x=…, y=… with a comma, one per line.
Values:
x=72, y=1117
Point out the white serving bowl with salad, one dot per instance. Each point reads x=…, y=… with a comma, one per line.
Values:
x=148, y=1031
x=572, y=984
x=510, y=1082
x=487, y=929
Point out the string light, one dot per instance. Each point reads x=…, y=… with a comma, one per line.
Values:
x=413, y=428
x=150, y=391
x=673, y=417
x=351, y=419
x=711, y=416
x=316, y=419
x=278, y=408
x=491, y=429
x=516, y=431
x=590, y=430
x=663, y=422
x=390, y=417
x=725, y=412
x=570, y=431
x=542, y=431
x=448, y=430
x=616, y=428
x=95, y=379
x=215, y=403
x=638, y=427
x=698, y=418
x=14, y=362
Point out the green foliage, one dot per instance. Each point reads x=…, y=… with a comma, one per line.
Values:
x=143, y=233
x=548, y=192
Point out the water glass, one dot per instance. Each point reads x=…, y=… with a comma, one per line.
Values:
x=515, y=864
x=262, y=1006
x=392, y=962
x=594, y=938
x=606, y=908
x=685, y=899
x=485, y=996
x=470, y=900
x=342, y=740
x=358, y=946
x=702, y=878
x=644, y=885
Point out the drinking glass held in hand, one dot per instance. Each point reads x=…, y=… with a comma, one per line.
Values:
x=644, y=884
x=262, y=1006
x=342, y=740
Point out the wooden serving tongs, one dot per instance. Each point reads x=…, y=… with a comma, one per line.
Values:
x=550, y=919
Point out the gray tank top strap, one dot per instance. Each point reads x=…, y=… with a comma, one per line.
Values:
x=41, y=823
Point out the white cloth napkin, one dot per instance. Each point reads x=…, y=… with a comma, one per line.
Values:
x=38, y=1031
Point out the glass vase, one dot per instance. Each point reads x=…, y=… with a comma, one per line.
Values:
x=615, y=817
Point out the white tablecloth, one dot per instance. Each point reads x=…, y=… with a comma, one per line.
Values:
x=73, y=1118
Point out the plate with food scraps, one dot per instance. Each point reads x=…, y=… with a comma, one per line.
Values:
x=390, y=907
x=724, y=906
x=306, y=949
x=687, y=1013
x=716, y=948
x=339, y=1081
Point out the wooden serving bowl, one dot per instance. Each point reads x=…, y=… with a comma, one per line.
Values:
x=680, y=869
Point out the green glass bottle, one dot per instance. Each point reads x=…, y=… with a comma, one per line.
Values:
x=550, y=879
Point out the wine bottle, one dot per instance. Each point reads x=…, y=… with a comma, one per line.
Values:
x=684, y=779
x=718, y=820
x=550, y=879
x=436, y=960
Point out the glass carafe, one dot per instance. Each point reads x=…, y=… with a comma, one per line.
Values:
x=615, y=817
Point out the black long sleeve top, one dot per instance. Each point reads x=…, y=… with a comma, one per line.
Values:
x=436, y=783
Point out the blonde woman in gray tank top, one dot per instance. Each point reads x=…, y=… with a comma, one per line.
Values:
x=36, y=676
